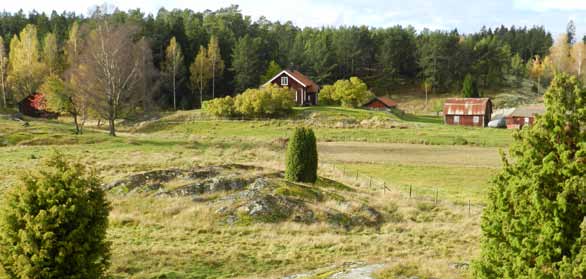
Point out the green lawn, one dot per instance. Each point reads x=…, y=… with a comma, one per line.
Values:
x=414, y=130
x=453, y=184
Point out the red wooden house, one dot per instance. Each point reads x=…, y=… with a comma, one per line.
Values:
x=305, y=89
x=380, y=103
x=467, y=111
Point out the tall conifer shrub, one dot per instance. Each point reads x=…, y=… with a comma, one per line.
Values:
x=302, y=157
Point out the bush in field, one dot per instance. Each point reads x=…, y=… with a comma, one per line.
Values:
x=223, y=107
x=53, y=225
x=351, y=92
x=302, y=157
x=268, y=101
x=326, y=95
x=534, y=224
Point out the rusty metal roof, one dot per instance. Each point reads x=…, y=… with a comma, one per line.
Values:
x=528, y=111
x=466, y=106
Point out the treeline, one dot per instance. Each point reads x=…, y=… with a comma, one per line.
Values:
x=201, y=55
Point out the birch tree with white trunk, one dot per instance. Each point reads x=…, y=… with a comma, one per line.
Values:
x=3, y=73
x=173, y=67
x=109, y=66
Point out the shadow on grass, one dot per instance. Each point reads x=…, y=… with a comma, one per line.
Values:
x=430, y=119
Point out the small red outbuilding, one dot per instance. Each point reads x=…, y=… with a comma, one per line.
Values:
x=35, y=105
x=380, y=103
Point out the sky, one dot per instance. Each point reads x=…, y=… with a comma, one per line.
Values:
x=465, y=15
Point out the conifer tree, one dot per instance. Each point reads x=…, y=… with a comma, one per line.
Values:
x=272, y=70
x=469, y=87
x=537, y=203
x=53, y=224
x=246, y=63
x=302, y=158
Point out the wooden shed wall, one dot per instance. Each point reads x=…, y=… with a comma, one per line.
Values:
x=466, y=120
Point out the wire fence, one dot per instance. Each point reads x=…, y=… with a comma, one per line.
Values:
x=405, y=191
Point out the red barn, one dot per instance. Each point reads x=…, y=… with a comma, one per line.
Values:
x=35, y=106
x=525, y=115
x=305, y=89
x=467, y=111
x=380, y=103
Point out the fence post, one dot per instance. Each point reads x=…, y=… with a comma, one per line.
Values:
x=436, y=192
x=468, y=207
x=410, y=190
x=370, y=182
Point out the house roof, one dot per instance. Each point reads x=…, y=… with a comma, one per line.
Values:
x=466, y=106
x=300, y=78
x=528, y=111
x=31, y=97
x=386, y=101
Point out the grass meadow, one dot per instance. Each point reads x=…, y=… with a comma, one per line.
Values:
x=181, y=238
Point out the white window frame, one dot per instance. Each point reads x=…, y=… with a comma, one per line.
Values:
x=284, y=81
x=476, y=119
x=456, y=119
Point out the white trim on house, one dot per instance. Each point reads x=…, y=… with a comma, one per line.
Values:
x=288, y=74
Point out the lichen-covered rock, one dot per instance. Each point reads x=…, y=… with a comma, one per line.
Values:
x=269, y=208
x=229, y=183
x=258, y=184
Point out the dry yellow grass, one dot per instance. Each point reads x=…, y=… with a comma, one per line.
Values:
x=180, y=238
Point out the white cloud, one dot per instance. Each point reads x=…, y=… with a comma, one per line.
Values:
x=550, y=5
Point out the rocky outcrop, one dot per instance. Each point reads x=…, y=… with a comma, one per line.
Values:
x=244, y=194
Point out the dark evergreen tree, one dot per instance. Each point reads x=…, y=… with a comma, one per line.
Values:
x=396, y=55
x=302, y=158
x=537, y=204
x=571, y=32
x=320, y=62
x=470, y=88
x=246, y=64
